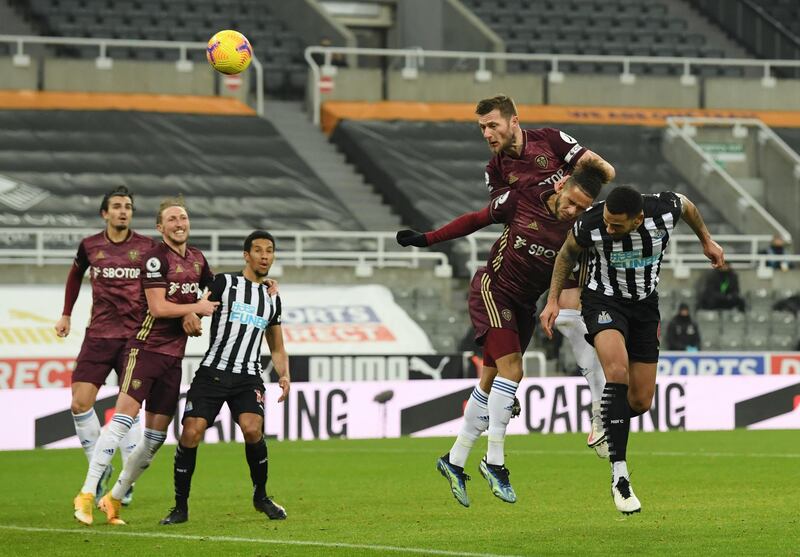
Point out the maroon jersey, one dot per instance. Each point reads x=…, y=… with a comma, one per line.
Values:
x=547, y=156
x=521, y=261
x=114, y=270
x=183, y=278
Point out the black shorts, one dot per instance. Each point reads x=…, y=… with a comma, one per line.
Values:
x=210, y=389
x=639, y=321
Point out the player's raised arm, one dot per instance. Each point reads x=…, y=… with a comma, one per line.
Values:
x=459, y=227
x=590, y=158
x=691, y=215
x=565, y=262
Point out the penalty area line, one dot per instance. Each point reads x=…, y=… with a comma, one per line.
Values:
x=237, y=539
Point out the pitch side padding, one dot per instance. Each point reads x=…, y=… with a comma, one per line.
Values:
x=433, y=412
x=766, y=406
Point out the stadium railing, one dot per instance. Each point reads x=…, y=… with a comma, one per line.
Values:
x=414, y=59
x=683, y=253
x=360, y=250
x=750, y=211
x=104, y=62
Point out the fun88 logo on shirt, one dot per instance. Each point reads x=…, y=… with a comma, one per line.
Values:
x=246, y=315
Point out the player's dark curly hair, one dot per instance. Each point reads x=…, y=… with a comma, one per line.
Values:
x=502, y=103
x=119, y=191
x=258, y=235
x=590, y=178
x=624, y=199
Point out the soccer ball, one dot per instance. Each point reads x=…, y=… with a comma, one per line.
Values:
x=229, y=52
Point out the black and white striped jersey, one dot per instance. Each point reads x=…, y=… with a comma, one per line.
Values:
x=628, y=268
x=237, y=327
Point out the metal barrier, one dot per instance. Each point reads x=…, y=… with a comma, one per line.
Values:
x=414, y=58
x=360, y=250
x=104, y=62
x=679, y=127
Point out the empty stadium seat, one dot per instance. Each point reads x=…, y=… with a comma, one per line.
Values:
x=236, y=172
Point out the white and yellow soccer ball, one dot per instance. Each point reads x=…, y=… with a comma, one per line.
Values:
x=229, y=52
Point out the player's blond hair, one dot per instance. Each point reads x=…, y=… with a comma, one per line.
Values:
x=503, y=103
x=168, y=202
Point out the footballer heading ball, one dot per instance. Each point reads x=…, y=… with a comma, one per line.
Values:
x=229, y=52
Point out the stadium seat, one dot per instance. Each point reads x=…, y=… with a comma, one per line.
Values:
x=73, y=157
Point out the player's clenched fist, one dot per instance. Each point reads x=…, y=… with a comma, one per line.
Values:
x=411, y=238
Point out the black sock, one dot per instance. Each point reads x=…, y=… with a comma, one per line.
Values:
x=185, y=459
x=258, y=462
x=616, y=419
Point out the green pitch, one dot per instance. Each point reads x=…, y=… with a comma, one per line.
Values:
x=725, y=493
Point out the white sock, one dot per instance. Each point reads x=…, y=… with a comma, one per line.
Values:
x=570, y=324
x=131, y=440
x=619, y=469
x=87, y=428
x=501, y=401
x=476, y=420
x=104, y=450
x=138, y=461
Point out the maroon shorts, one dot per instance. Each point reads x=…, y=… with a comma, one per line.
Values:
x=97, y=358
x=489, y=309
x=153, y=377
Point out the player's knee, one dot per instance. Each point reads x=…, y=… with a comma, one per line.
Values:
x=191, y=436
x=640, y=405
x=80, y=406
x=616, y=371
x=252, y=431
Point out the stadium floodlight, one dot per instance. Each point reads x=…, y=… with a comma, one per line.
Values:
x=482, y=75
x=687, y=78
x=21, y=60
x=327, y=68
x=768, y=81
x=103, y=63
x=739, y=131
x=443, y=270
x=363, y=270
x=184, y=64
x=626, y=77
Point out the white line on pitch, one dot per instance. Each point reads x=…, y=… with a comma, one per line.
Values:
x=236, y=539
x=561, y=452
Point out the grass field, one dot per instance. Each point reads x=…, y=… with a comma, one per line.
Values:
x=721, y=493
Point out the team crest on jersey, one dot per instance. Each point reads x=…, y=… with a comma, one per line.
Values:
x=512, y=179
x=541, y=161
x=604, y=318
x=519, y=242
x=100, y=255
x=136, y=383
x=506, y=313
x=133, y=255
x=658, y=234
x=197, y=267
x=533, y=225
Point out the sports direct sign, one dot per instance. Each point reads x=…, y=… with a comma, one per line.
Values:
x=434, y=408
x=316, y=320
